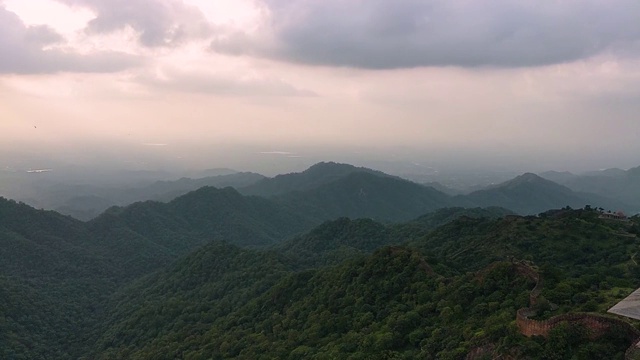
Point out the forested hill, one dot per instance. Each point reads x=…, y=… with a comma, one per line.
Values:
x=202, y=216
x=441, y=295
x=339, y=240
x=446, y=215
x=530, y=194
x=323, y=185
x=87, y=201
x=336, y=241
x=328, y=190
x=362, y=194
x=315, y=176
x=56, y=272
x=254, y=271
x=37, y=243
x=53, y=279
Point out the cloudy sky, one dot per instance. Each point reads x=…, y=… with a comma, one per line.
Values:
x=536, y=84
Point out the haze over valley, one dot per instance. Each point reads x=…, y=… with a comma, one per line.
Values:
x=253, y=86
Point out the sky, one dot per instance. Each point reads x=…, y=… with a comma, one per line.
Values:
x=275, y=84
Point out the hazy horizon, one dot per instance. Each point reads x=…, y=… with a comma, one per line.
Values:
x=274, y=86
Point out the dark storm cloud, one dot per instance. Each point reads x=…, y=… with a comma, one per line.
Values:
x=158, y=22
x=22, y=51
x=411, y=33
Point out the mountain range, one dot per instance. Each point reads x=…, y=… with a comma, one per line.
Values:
x=618, y=184
x=611, y=189
x=532, y=194
x=349, y=288
x=85, y=202
x=351, y=263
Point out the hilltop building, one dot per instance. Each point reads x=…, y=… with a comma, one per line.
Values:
x=618, y=215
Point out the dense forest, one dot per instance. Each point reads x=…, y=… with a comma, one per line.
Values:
x=215, y=274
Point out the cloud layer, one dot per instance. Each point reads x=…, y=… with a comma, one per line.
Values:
x=532, y=79
x=380, y=34
x=372, y=34
x=24, y=51
x=158, y=22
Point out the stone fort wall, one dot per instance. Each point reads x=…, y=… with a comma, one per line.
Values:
x=597, y=325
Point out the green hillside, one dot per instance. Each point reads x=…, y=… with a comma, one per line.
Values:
x=366, y=195
x=57, y=272
x=183, y=301
x=336, y=241
x=52, y=282
x=450, y=292
x=215, y=274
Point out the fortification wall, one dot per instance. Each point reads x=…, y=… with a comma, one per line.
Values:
x=597, y=325
x=633, y=352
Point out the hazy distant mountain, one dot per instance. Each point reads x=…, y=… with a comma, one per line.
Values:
x=315, y=176
x=531, y=194
x=612, y=172
x=442, y=188
x=368, y=195
x=623, y=186
x=210, y=173
x=225, y=214
x=168, y=190
x=83, y=207
x=618, y=184
x=84, y=202
x=559, y=177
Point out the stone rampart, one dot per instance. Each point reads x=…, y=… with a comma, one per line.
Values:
x=597, y=325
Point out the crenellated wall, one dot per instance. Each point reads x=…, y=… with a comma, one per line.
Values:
x=598, y=325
